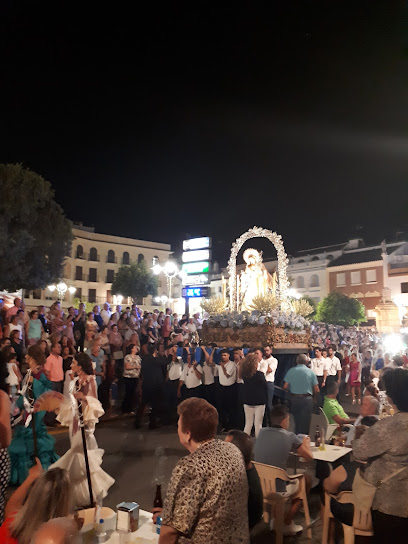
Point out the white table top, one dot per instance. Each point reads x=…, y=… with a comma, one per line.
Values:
x=330, y=454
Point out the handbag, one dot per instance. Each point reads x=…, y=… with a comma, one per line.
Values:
x=364, y=492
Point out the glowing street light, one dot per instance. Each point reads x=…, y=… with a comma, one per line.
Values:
x=170, y=270
x=161, y=299
x=292, y=293
x=62, y=288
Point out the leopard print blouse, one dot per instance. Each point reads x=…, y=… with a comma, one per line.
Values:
x=207, y=496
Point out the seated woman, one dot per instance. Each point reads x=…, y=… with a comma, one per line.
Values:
x=207, y=496
x=41, y=497
x=255, y=497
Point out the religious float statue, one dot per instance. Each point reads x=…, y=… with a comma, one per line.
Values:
x=257, y=309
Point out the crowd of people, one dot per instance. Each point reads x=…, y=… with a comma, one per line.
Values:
x=155, y=360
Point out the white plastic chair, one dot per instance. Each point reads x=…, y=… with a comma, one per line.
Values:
x=274, y=503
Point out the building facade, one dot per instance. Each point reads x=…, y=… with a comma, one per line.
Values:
x=94, y=260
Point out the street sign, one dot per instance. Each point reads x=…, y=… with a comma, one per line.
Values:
x=196, y=243
x=199, y=279
x=195, y=292
x=197, y=255
x=202, y=267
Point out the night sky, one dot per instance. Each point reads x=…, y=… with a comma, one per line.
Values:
x=200, y=120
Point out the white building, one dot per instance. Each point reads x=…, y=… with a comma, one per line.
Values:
x=94, y=260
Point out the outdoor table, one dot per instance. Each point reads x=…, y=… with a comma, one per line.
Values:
x=330, y=454
x=146, y=533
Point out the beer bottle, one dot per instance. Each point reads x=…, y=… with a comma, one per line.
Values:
x=317, y=437
x=158, y=501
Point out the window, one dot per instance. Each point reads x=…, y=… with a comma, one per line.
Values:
x=155, y=260
x=220, y=289
x=93, y=254
x=404, y=287
x=300, y=282
x=78, y=272
x=341, y=279
x=37, y=294
x=79, y=252
x=78, y=293
x=301, y=261
x=315, y=258
x=92, y=295
x=109, y=276
x=140, y=258
x=356, y=278
x=329, y=257
x=371, y=276
x=125, y=258
x=111, y=256
x=314, y=281
x=92, y=274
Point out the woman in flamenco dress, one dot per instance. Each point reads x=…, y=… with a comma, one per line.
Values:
x=82, y=390
x=21, y=449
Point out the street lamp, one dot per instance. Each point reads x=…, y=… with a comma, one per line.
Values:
x=170, y=270
x=62, y=288
x=161, y=299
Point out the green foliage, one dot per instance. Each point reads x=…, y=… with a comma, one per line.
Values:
x=340, y=309
x=35, y=235
x=89, y=306
x=212, y=306
x=134, y=281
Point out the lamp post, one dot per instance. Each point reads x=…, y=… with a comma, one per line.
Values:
x=170, y=270
x=161, y=299
x=62, y=289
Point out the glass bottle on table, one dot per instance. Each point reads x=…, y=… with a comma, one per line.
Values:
x=317, y=437
x=158, y=501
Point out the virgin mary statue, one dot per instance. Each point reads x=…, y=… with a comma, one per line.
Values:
x=255, y=280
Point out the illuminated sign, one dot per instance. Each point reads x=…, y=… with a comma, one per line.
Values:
x=196, y=243
x=198, y=255
x=195, y=292
x=203, y=267
x=199, y=279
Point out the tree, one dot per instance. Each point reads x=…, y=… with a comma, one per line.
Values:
x=340, y=309
x=35, y=235
x=134, y=281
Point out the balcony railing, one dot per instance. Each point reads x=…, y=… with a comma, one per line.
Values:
x=93, y=279
x=96, y=259
x=113, y=261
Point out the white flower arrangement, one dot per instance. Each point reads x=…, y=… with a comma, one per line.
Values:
x=285, y=320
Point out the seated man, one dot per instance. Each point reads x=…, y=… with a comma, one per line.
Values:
x=272, y=447
x=332, y=408
x=255, y=496
x=370, y=406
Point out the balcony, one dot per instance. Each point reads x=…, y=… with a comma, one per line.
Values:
x=111, y=260
x=79, y=277
x=95, y=258
x=92, y=278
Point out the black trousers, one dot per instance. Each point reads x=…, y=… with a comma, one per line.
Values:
x=209, y=394
x=154, y=398
x=172, y=400
x=301, y=408
x=388, y=528
x=130, y=388
x=228, y=402
x=194, y=392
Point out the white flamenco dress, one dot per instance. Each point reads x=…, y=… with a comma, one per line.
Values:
x=74, y=460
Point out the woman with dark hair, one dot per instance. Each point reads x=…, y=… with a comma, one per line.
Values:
x=21, y=449
x=5, y=437
x=384, y=448
x=16, y=343
x=83, y=396
x=255, y=393
x=131, y=373
x=207, y=496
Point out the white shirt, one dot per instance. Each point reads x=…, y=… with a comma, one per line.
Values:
x=319, y=366
x=263, y=367
x=209, y=373
x=239, y=380
x=175, y=369
x=231, y=369
x=106, y=314
x=191, y=328
x=12, y=377
x=332, y=365
x=189, y=376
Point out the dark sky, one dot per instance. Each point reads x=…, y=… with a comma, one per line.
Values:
x=204, y=120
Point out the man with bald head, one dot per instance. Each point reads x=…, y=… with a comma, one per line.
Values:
x=302, y=383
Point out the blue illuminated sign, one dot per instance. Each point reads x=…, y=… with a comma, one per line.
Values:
x=195, y=292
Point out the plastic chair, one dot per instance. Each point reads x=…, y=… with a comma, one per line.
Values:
x=274, y=503
x=330, y=427
x=362, y=523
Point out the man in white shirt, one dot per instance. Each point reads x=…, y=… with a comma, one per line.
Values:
x=318, y=365
x=268, y=366
x=106, y=314
x=210, y=372
x=333, y=367
x=238, y=355
x=227, y=374
x=191, y=376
